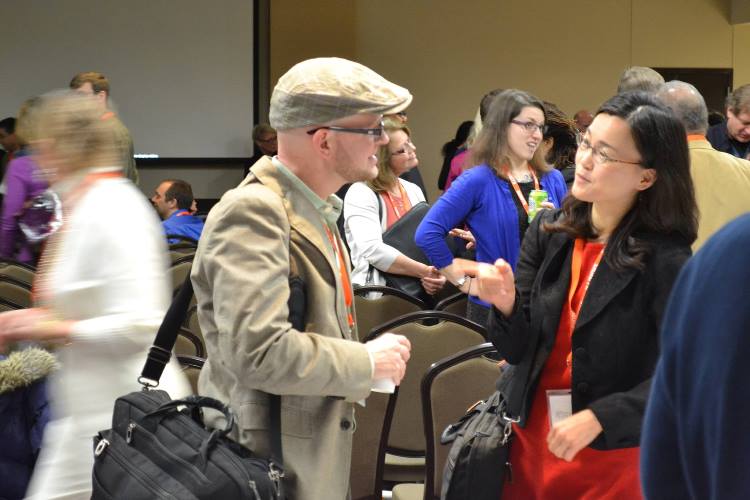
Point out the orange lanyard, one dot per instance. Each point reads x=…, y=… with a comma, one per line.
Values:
x=345, y=282
x=575, y=276
x=404, y=201
x=517, y=188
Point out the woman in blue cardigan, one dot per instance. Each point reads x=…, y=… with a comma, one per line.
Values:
x=492, y=197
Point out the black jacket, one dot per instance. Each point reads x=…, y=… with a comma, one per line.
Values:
x=718, y=136
x=615, y=341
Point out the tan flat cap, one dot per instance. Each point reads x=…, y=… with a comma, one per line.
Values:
x=329, y=88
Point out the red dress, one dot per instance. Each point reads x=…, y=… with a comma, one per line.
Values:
x=593, y=474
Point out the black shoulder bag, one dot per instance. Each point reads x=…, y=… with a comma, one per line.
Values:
x=401, y=237
x=160, y=448
x=478, y=462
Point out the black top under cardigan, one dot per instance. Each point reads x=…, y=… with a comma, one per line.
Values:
x=615, y=341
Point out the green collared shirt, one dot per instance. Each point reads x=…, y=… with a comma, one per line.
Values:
x=328, y=209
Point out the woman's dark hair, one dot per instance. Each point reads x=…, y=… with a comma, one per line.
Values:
x=562, y=130
x=667, y=207
x=491, y=146
x=450, y=148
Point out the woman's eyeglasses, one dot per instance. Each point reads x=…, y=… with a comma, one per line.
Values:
x=408, y=147
x=599, y=156
x=531, y=127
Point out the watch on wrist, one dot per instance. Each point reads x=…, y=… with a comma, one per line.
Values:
x=461, y=281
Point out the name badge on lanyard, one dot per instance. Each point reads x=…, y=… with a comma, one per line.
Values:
x=559, y=406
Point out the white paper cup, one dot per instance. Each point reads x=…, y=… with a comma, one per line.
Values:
x=384, y=385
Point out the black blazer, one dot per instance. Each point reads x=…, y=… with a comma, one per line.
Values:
x=615, y=341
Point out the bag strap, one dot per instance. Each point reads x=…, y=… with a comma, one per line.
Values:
x=166, y=336
x=161, y=352
x=370, y=268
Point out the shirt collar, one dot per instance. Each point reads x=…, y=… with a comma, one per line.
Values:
x=329, y=209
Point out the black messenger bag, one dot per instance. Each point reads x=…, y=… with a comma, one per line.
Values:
x=158, y=448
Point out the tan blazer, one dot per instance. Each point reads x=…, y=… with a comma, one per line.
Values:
x=240, y=276
x=722, y=188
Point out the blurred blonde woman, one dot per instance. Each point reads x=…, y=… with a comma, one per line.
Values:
x=100, y=292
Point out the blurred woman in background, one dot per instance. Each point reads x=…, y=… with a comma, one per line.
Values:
x=23, y=182
x=559, y=145
x=450, y=149
x=101, y=290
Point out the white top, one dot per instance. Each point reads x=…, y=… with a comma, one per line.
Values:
x=364, y=230
x=110, y=276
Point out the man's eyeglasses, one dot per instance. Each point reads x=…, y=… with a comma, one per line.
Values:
x=531, y=127
x=375, y=133
x=599, y=156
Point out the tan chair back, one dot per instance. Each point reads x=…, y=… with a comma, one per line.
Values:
x=179, y=271
x=429, y=344
x=191, y=366
x=385, y=305
x=449, y=388
x=15, y=294
x=455, y=304
x=368, y=447
x=17, y=271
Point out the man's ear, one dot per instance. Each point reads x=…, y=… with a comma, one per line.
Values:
x=321, y=141
x=172, y=204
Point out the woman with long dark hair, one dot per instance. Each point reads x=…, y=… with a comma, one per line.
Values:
x=579, y=321
x=559, y=145
x=492, y=197
x=450, y=149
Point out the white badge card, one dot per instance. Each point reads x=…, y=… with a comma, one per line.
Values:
x=559, y=406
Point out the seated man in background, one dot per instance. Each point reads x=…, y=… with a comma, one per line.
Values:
x=173, y=200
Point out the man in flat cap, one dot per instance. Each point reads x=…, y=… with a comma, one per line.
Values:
x=280, y=223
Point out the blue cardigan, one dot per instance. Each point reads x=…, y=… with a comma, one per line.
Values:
x=485, y=203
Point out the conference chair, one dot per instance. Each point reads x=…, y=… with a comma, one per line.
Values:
x=434, y=335
x=189, y=344
x=191, y=366
x=454, y=304
x=449, y=388
x=182, y=247
x=21, y=272
x=15, y=292
x=375, y=305
x=368, y=446
x=178, y=271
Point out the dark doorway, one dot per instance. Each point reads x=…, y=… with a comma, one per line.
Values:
x=713, y=83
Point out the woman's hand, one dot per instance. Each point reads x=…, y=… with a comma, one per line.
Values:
x=31, y=324
x=547, y=204
x=433, y=282
x=493, y=283
x=466, y=235
x=573, y=434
